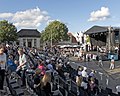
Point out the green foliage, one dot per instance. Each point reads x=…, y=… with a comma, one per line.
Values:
x=8, y=31
x=56, y=31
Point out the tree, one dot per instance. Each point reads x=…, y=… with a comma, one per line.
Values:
x=56, y=31
x=8, y=32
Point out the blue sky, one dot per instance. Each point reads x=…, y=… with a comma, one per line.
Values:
x=78, y=15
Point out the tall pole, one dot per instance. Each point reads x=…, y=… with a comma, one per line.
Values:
x=109, y=42
x=78, y=37
x=51, y=40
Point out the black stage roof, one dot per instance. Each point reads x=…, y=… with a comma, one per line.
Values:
x=99, y=29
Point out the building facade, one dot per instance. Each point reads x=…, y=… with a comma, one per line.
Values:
x=29, y=38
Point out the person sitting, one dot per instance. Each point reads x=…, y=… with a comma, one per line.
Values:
x=50, y=67
x=11, y=65
x=42, y=67
x=92, y=87
x=84, y=84
x=45, y=85
x=79, y=70
x=79, y=80
x=37, y=78
x=84, y=73
x=92, y=74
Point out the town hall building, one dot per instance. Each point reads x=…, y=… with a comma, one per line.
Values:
x=29, y=38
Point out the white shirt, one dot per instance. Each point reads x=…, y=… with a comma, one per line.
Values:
x=84, y=74
x=84, y=85
x=112, y=61
x=22, y=59
x=94, y=57
x=3, y=61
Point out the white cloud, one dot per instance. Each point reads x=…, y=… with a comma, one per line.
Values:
x=6, y=15
x=31, y=18
x=99, y=15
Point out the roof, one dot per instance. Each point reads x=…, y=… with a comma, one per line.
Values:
x=96, y=29
x=72, y=37
x=70, y=34
x=28, y=33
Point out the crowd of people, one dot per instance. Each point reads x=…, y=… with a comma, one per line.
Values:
x=45, y=64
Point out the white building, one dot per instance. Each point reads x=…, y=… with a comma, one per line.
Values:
x=29, y=38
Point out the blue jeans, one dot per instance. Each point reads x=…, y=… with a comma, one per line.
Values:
x=21, y=73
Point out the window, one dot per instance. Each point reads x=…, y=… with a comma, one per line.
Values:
x=24, y=42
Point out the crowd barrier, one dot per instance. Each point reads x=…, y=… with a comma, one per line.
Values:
x=106, y=82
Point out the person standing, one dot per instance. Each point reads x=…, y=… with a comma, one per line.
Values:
x=100, y=61
x=21, y=69
x=79, y=55
x=112, y=63
x=2, y=65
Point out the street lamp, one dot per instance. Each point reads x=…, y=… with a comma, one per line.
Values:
x=109, y=42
